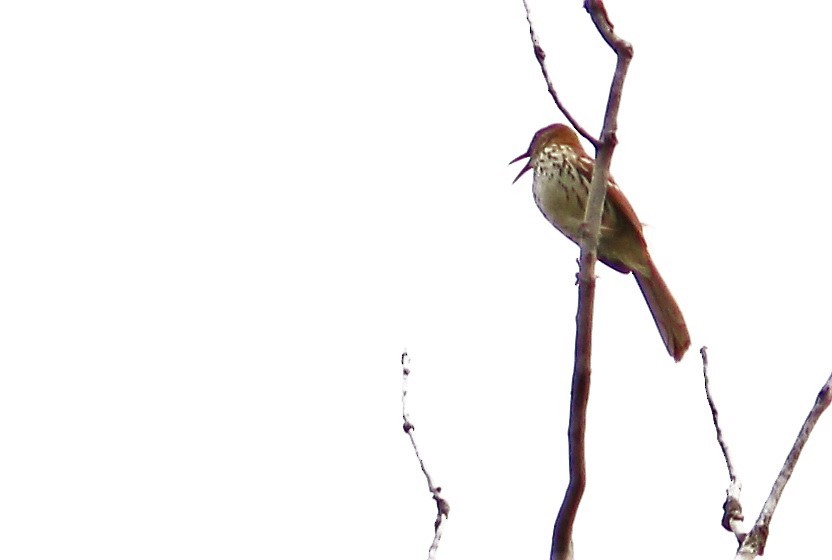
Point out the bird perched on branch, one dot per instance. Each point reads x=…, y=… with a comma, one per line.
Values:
x=562, y=175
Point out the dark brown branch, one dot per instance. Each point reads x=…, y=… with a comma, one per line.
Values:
x=562, y=535
x=540, y=55
x=755, y=542
x=442, y=506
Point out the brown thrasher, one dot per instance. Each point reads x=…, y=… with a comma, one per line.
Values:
x=562, y=174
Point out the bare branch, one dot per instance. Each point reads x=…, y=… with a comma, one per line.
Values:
x=755, y=543
x=603, y=154
x=715, y=414
x=562, y=548
x=732, y=516
x=442, y=506
x=540, y=55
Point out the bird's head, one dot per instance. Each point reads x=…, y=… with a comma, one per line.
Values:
x=553, y=134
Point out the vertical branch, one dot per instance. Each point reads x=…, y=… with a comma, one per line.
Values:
x=603, y=155
x=562, y=548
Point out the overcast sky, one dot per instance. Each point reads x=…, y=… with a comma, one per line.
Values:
x=222, y=222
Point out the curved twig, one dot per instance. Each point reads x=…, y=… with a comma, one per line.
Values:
x=540, y=55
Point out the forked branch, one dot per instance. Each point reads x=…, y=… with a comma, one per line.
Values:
x=753, y=543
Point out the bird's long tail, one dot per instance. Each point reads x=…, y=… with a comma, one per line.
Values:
x=665, y=310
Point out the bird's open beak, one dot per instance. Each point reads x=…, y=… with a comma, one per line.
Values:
x=525, y=167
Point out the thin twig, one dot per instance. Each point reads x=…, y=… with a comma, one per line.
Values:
x=540, y=55
x=755, y=542
x=732, y=516
x=442, y=506
x=715, y=415
x=562, y=548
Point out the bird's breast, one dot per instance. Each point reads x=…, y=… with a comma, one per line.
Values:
x=560, y=190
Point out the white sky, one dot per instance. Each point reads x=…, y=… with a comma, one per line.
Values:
x=221, y=223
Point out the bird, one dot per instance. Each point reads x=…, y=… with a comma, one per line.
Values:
x=562, y=175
